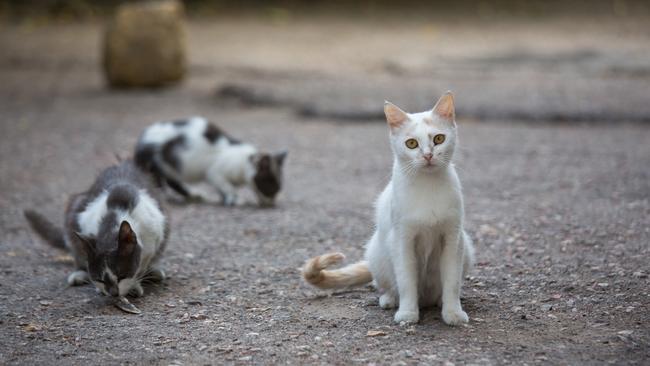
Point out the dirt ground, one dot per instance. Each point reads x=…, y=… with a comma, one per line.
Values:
x=559, y=211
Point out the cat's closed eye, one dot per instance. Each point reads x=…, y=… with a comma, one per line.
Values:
x=438, y=139
x=411, y=143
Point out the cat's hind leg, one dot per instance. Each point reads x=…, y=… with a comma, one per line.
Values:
x=469, y=259
x=388, y=300
x=382, y=270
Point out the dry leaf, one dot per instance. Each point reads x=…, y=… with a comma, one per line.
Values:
x=63, y=258
x=31, y=328
x=376, y=333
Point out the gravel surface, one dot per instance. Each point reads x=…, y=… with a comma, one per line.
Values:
x=559, y=214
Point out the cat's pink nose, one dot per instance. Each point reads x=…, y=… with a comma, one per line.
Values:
x=428, y=156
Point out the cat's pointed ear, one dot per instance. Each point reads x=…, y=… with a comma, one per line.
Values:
x=126, y=240
x=394, y=115
x=279, y=157
x=87, y=243
x=445, y=107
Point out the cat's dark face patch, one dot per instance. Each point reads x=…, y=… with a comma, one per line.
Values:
x=268, y=176
x=113, y=257
x=212, y=133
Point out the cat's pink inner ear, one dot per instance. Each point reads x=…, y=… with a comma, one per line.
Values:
x=445, y=107
x=394, y=116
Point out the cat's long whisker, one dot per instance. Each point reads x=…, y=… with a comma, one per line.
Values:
x=410, y=168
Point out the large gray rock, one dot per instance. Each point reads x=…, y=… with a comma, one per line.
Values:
x=145, y=44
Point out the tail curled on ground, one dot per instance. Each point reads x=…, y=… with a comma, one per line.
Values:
x=355, y=274
x=45, y=229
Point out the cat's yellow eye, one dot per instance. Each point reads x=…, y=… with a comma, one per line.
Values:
x=438, y=139
x=411, y=143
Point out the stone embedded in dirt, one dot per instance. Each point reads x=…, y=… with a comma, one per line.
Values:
x=144, y=44
x=183, y=319
x=487, y=230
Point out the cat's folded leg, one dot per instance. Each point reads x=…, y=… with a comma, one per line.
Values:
x=78, y=278
x=136, y=290
x=198, y=194
x=451, y=270
x=226, y=189
x=404, y=261
x=156, y=274
x=229, y=199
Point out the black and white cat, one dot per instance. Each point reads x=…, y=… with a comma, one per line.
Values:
x=192, y=150
x=116, y=231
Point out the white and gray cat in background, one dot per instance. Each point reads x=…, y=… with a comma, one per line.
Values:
x=419, y=252
x=194, y=150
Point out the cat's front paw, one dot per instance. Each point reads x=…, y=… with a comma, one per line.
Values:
x=387, y=301
x=454, y=316
x=194, y=198
x=78, y=278
x=136, y=290
x=229, y=200
x=156, y=275
x=407, y=317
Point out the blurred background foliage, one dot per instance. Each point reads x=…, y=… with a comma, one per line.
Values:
x=37, y=11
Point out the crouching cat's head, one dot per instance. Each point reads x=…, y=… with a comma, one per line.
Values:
x=113, y=258
x=267, y=180
x=423, y=141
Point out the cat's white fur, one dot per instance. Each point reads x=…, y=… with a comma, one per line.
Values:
x=90, y=218
x=224, y=165
x=232, y=168
x=419, y=252
x=146, y=220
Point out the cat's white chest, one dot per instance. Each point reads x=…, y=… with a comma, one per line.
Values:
x=427, y=203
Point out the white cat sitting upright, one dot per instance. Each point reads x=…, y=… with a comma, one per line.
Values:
x=192, y=150
x=419, y=252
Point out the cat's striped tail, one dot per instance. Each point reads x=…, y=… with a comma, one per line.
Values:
x=45, y=229
x=355, y=274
